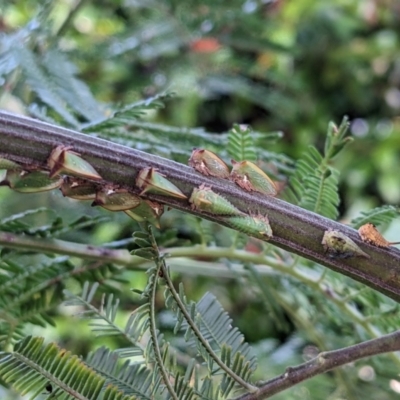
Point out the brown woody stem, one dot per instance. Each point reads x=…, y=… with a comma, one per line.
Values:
x=30, y=142
x=325, y=362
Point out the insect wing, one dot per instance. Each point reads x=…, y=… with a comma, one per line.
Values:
x=250, y=177
x=32, y=182
x=208, y=163
x=63, y=160
x=151, y=181
x=116, y=200
x=338, y=245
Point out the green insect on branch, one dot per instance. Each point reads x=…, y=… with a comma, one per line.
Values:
x=29, y=143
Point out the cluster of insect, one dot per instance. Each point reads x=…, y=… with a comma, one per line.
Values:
x=77, y=179
x=246, y=175
x=338, y=245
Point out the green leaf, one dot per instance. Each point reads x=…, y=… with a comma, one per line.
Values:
x=33, y=365
x=211, y=318
x=103, y=317
x=314, y=183
x=241, y=144
x=127, y=114
x=38, y=79
x=133, y=379
x=336, y=139
x=61, y=73
x=146, y=253
x=377, y=216
x=215, y=327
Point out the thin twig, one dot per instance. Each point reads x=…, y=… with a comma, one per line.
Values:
x=178, y=256
x=154, y=335
x=325, y=362
x=239, y=380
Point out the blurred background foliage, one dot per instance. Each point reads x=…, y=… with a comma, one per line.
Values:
x=287, y=67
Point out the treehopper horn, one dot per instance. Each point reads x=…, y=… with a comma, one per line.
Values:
x=252, y=178
x=208, y=163
x=63, y=160
x=31, y=182
x=151, y=181
x=338, y=245
x=116, y=199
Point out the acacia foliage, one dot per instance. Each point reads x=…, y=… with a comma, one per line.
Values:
x=111, y=71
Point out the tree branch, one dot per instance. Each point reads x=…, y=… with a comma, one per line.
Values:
x=324, y=362
x=30, y=142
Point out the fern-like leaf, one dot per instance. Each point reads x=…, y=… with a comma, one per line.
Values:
x=76, y=94
x=214, y=326
x=321, y=194
x=132, y=379
x=158, y=351
x=208, y=390
x=19, y=223
x=376, y=216
x=314, y=183
x=182, y=388
x=33, y=365
x=103, y=318
x=192, y=319
x=37, y=78
x=7, y=61
x=127, y=114
x=241, y=144
x=25, y=223
x=28, y=293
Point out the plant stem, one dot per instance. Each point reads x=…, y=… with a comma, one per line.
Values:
x=159, y=359
x=324, y=362
x=178, y=261
x=55, y=246
x=30, y=142
x=228, y=371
